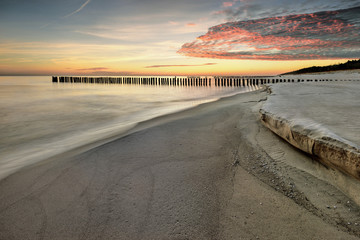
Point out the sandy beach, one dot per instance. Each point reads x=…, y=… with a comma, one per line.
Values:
x=211, y=172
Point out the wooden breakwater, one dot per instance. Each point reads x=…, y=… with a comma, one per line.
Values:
x=184, y=81
x=170, y=81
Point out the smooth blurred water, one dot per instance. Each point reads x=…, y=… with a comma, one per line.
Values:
x=39, y=119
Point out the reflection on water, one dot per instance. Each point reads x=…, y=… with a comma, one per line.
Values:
x=39, y=119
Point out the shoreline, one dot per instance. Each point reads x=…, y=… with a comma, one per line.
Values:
x=210, y=172
x=97, y=136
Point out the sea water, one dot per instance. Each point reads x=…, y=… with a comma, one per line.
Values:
x=40, y=119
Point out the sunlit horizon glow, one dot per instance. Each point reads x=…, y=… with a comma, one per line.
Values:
x=92, y=37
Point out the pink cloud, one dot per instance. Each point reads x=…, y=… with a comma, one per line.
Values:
x=173, y=23
x=228, y=4
x=93, y=69
x=322, y=35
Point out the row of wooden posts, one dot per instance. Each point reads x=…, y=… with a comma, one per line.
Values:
x=180, y=81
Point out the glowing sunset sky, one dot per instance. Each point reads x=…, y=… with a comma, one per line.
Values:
x=172, y=37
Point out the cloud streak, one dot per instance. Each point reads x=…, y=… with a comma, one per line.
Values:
x=93, y=69
x=113, y=73
x=198, y=65
x=191, y=24
x=79, y=9
x=321, y=35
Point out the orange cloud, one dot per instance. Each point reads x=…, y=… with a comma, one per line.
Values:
x=191, y=24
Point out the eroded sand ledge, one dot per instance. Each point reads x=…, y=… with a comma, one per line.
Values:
x=292, y=122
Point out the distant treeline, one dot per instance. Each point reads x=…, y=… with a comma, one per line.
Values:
x=349, y=65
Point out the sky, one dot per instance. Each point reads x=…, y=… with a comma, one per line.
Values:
x=172, y=37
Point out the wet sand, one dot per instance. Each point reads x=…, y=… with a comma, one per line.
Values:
x=212, y=172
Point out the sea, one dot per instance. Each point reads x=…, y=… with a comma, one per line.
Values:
x=40, y=119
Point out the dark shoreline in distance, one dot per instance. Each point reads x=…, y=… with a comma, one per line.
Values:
x=349, y=65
